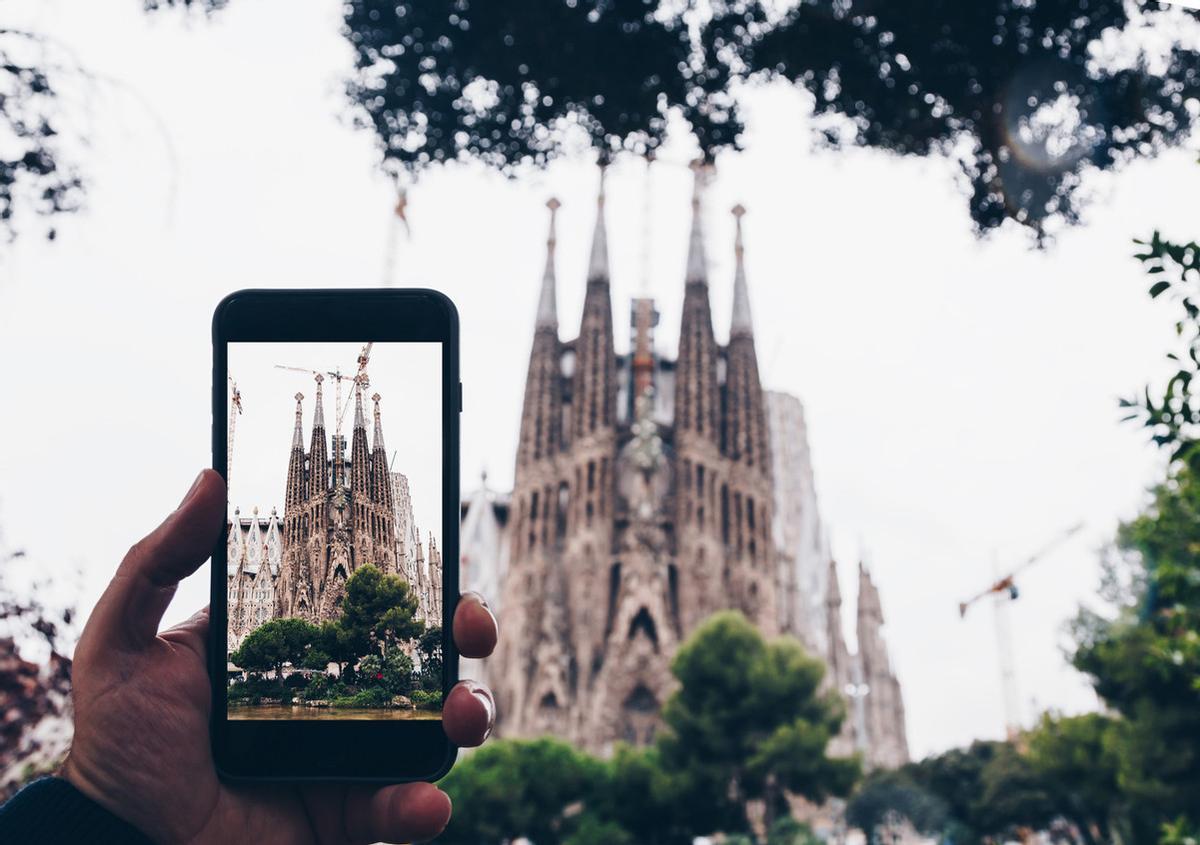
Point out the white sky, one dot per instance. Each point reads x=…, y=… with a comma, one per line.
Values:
x=961, y=395
x=407, y=377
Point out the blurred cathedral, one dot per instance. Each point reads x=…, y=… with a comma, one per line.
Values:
x=650, y=493
x=339, y=513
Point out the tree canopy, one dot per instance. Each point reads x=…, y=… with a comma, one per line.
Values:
x=1025, y=96
x=378, y=608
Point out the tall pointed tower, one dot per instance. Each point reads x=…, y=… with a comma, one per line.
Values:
x=537, y=472
x=886, y=738
x=699, y=461
x=747, y=499
x=295, y=590
x=585, y=495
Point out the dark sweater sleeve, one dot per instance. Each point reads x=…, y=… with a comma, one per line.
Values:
x=51, y=811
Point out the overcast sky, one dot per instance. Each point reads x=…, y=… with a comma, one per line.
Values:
x=407, y=377
x=961, y=395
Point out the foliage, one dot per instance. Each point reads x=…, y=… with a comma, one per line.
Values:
x=748, y=722
x=368, y=697
x=1076, y=756
x=1016, y=92
x=788, y=831
x=430, y=649
x=886, y=794
x=274, y=643
x=424, y=699
x=1172, y=413
x=377, y=609
x=394, y=672
x=512, y=788
x=1025, y=96
x=35, y=174
x=1144, y=658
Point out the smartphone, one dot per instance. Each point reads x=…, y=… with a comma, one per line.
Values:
x=335, y=425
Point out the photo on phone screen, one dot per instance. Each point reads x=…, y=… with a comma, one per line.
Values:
x=334, y=569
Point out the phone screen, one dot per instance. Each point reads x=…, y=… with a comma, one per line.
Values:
x=334, y=563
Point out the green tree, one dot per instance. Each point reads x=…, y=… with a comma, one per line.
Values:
x=378, y=612
x=336, y=642
x=430, y=649
x=1024, y=97
x=886, y=794
x=1076, y=756
x=393, y=672
x=1144, y=658
x=540, y=789
x=748, y=723
x=275, y=643
x=1016, y=93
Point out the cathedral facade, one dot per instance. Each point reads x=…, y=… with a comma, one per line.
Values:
x=646, y=497
x=340, y=512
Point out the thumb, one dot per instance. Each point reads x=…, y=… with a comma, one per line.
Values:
x=128, y=614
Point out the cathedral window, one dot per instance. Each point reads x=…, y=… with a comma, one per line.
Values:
x=614, y=590
x=725, y=514
x=533, y=515
x=737, y=516
x=642, y=623
x=603, y=485
x=564, y=505
x=591, y=476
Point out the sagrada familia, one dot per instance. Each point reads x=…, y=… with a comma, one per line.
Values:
x=650, y=493
x=339, y=513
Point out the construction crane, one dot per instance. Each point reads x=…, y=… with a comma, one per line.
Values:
x=235, y=410
x=1004, y=591
x=359, y=378
x=1007, y=583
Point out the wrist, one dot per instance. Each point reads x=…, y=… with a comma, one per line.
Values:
x=54, y=810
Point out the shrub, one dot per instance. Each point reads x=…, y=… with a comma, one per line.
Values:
x=427, y=699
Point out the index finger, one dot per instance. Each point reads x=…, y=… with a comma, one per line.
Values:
x=475, y=629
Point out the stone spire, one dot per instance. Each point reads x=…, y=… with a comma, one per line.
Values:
x=298, y=433
x=746, y=438
x=595, y=388
x=359, y=452
x=254, y=545
x=541, y=418
x=235, y=549
x=741, y=322
x=885, y=737
x=297, y=490
x=318, y=450
x=547, y=313
x=697, y=264
x=598, y=263
x=377, y=439
x=697, y=396
x=381, y=480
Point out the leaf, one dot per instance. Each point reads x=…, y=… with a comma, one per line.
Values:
x=1157, y=289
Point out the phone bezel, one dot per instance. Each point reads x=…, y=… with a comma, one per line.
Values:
x=354, y=750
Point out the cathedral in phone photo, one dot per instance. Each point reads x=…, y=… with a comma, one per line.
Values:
x=340, y=511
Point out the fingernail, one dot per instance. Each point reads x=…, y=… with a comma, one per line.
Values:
x=192, y=490
x=485, y=698
x=479, y=598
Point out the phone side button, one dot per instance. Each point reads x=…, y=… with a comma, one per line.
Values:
x=460, y=397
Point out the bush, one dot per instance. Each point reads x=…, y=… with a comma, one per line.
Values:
x=426, y=699
x=370, y=697
x=394, y=672
x=318, y=688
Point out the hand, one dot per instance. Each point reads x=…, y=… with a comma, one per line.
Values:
x=142, y=703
